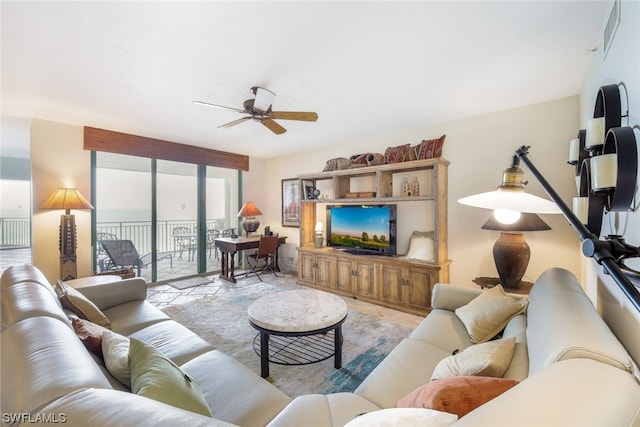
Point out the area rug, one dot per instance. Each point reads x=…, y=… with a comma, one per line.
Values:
x=222, y=321
x=189, y=283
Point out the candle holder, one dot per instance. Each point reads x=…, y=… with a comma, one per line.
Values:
x=621, y=149
x=595, y=203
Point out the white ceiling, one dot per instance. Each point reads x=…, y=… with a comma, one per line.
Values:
x=365, y=67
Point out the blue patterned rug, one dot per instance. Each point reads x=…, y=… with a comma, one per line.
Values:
x=370, y=332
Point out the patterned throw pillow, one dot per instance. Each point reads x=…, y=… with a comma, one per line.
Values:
x=396, y=154
x=359, y=160
x=429, y=149
x=339, y=163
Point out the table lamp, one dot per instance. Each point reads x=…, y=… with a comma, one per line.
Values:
x=319, y=229
x=67, y=199
x=511, y=252
x=249, y=212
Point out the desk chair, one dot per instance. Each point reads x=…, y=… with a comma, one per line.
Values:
x=266, y=252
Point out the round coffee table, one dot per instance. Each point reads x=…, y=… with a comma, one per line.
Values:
x=298, y=313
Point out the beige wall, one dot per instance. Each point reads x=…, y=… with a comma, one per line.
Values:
x=58, y=160
x=479, y=149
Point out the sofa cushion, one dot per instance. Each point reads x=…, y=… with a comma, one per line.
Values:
x=456, y=395
x=334, y=409
x=133, y=316
x=174, y=340
x=487, y=314
x=575, y=392
x=99, y=407
x=30, y=299
x=562, y=323
x=156, y=377
x=235, y=393
x=42, y=360
x=408, y=366
x=490, y=359
x=443, y=329
x=115, y=348
x=90, y=334
x=403, y=417
x=73, y=300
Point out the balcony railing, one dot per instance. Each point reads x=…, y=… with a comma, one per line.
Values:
x=17, y=232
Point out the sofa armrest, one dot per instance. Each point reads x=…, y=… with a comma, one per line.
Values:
x=449, y=297
x=107, y=295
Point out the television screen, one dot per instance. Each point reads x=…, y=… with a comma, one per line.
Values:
x=364, y=228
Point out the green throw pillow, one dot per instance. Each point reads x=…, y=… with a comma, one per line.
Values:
x=158, y=378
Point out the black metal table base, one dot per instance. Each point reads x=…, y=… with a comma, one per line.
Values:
x=298, y=348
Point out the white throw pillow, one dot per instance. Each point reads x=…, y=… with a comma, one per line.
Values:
x=115, y=348
x=403, y=417
x=421, y=246
x=488, y=313
x=489, y=359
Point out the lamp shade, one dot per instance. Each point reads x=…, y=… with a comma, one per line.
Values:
x=511, y=199
x=527, y=222
x=249, y=209
x=67, y=198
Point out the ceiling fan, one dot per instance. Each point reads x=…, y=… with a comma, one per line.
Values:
x=259, y=109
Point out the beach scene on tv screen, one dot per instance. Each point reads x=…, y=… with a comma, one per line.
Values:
x=360, y=227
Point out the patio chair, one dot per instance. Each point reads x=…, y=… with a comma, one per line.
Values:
x=266, y=252
x=103, y=260
x=123, y=254
x=183, y=239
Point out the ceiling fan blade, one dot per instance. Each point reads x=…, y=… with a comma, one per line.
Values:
x=307, y=116
x=206, y=104
x=235, y=122
x=264, y=98
x=273, y=126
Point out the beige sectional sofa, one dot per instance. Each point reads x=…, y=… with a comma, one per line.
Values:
x=570, y=368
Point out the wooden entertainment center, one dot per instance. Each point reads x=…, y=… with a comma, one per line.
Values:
x=390, y=281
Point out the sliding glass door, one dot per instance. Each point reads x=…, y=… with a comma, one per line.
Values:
x=155, y=204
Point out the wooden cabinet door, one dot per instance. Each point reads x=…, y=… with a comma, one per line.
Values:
x=324, y=271
x=306, y=268
x=420, y=281
x=344, y=275
x=391, y=283
x=364, y=279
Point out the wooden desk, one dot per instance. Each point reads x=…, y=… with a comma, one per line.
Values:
x=230, y=245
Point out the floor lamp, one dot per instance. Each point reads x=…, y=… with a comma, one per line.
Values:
x=67, y=199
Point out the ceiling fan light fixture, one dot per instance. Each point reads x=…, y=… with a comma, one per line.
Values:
x=264, y=99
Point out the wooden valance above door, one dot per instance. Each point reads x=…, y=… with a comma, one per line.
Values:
x=121, y=143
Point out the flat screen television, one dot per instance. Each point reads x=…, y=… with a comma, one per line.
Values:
x=362, y=229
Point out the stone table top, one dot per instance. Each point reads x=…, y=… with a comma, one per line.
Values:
x=297, y=311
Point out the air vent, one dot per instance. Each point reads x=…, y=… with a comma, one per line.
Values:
x=612, y=26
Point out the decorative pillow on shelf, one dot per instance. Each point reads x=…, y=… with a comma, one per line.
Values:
x=421, y=246
x=487, y=314
x=90, y=334
x=429, y=149
x=73, y=300
x=396, y=154
x=489, y=359
x=456, y=395
x=359, y=160
x=115, y=350
x=403, y=417
x=339, y=163
x=155, y=376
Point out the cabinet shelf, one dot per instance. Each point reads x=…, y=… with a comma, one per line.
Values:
x=389, y=281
